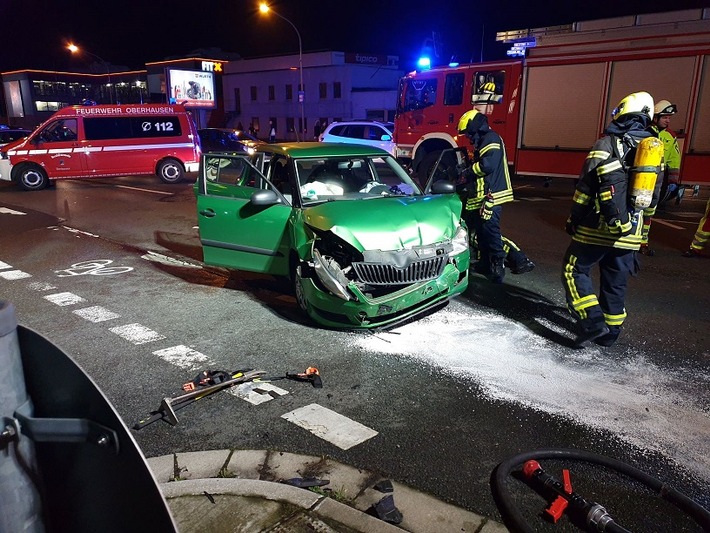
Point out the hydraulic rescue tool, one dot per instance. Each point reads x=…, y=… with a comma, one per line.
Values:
x=210, y=381
x=169, y=405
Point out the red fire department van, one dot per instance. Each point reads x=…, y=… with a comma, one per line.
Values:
x=552, y=106
x=103, y=141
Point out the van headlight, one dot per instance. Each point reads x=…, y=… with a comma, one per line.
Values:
x=460, y=241
x=331, y=275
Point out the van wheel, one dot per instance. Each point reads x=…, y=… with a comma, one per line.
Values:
x=32, y=178
x=171, y=171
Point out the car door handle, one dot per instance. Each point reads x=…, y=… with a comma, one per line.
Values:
x=209, y=213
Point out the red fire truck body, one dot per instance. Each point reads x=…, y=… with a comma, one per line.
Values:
x=551, y=107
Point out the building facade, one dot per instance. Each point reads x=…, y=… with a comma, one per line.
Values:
x=336, y=86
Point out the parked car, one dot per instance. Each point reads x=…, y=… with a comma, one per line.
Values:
x=367, y=132
x=227, y=140
x=8, y=134
x=362, y=246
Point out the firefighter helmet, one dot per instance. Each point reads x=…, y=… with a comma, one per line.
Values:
x=488, y=88
x=467, y=117
x=640, y=103
x=664, y=107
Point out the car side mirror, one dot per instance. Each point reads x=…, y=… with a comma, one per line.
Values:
x=386, y=138
x=264, y=198
x=443, y=187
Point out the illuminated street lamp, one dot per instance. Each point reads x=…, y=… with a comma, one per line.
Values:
x=74, y=49
x=302, y=93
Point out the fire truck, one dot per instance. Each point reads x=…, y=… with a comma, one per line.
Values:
x=551, y=106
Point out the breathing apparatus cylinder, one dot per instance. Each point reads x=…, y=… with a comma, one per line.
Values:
x=647, y=166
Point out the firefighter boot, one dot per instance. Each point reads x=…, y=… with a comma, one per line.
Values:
x=522, y=268
x=610, y=338
x=589, y=331
x=497, y=272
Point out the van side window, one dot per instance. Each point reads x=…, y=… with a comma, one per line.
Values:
x=59, y=131
x=101, y=128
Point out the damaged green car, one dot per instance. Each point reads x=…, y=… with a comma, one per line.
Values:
x=361, y=244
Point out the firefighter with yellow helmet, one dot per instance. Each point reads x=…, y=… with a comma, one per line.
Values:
x=619, y=185
x=662, y=113
x=487, y=188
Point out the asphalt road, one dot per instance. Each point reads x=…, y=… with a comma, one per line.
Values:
x=111, y=272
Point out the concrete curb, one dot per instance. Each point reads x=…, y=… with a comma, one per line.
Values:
x=243, y=488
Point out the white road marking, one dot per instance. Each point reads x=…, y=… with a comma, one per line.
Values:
x=166, y=260
x=144, y=190
x=14, y=274
x=78, y=231
x=329, y=425
x=96, y=314
x=9, y=211
x=41, y=286
x=183, y=356
x=256, y=392
x=64, y=298
x=137, y=334
x=4, y=265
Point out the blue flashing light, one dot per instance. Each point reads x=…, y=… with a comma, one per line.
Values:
x=424, y=63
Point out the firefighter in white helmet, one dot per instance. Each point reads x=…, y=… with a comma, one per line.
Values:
x=606, y=222
x=487, y=188
x=662, y=113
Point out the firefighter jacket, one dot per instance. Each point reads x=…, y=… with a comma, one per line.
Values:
x=488, y=176
x=671, y=154
x=602, y=213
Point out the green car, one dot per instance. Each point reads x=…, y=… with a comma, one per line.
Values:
x=362, y=245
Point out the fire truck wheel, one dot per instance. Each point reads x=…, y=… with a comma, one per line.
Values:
x=32, y=178
x=171, y=171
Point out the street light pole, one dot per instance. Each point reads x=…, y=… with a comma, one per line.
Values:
x=75, y=49
x=302, y=92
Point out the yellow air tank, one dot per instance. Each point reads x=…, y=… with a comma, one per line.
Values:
x=647, y=166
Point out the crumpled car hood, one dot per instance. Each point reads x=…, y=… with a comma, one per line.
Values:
x=388, y=223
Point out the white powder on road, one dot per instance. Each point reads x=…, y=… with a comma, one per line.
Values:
x=641, y=403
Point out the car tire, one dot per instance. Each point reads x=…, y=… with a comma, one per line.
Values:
x=32, y=178
x=298, y=292
x=171, y=171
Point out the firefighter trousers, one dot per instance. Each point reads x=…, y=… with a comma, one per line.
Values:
x=615, y=266
x=702, y=234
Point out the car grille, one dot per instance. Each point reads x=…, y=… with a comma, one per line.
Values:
x=380, y=274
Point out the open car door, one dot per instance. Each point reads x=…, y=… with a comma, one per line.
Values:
x=243, y=218
x=444, y=170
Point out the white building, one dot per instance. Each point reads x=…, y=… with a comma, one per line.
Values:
x=338, y=86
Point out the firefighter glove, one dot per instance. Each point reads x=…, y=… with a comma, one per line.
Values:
x=486, y=211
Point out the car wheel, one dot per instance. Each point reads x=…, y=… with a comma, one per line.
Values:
x=32, y=178
x=298, y=291
x=171, y=171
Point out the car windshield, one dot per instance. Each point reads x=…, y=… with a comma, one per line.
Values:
x=238, y=135
x=352, y=178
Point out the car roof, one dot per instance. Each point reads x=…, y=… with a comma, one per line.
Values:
x=305, y=150
x=362, y=121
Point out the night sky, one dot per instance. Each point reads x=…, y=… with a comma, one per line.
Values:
x=131, y=33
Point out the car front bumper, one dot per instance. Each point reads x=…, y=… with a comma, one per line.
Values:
x=365, y=312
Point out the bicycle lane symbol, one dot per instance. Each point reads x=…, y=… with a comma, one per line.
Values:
x=97, y=267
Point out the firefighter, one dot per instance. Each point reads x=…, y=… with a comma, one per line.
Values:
x=662, y=113
x=702, y=234
x=606, y=222
x=488, y=187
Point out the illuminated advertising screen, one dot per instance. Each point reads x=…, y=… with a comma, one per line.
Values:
x=193, y=88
